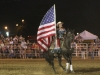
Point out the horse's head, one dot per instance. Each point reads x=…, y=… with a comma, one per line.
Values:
x=68, y=39
x=70, y=35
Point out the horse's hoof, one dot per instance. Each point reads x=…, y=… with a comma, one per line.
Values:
x=55, y=72
x=64, y=69
x=67, y=71
x=72, y=72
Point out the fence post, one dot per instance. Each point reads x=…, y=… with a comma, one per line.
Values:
x=76, y=49
x=86, y=50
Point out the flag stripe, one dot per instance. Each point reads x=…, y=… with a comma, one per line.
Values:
x=45, y=36
x=42, y=46
x=46, y=29
x=46, y=32
x=46, y=25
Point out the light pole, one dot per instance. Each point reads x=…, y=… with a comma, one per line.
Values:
x=7, y=31
x=20, y=27
x=77, y=33
x=6, y=27
x=22, y=20
x=16, y=25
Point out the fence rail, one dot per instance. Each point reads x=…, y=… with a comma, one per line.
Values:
x=81, y=49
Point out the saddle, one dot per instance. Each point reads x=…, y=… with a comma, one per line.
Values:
x=62, y=47
x=56, y=50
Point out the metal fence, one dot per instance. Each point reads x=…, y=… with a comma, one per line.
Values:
x=23, y=54
x=86, y=49
x=81, y=50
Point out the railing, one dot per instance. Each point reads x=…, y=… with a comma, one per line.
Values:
x=78, y=52
x=88, y=51
x=22, y=55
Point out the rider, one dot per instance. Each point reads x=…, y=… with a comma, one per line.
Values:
x=60, y=33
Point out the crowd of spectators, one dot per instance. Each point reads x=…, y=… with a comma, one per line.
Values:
x=18, y=47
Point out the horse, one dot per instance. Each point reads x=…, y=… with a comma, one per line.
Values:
x=66, y=51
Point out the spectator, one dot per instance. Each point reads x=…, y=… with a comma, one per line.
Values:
x=2, y=44
x=20, y=51
x=15, y=48
x=36, y=50
x=11, y=52
x=83, y=52
x=24, y=53
x=7, y=38
x=92, y=51
x=15, y=39
x=29, y=53
x=28, y=43
x=23, y=44
x=33, y=49
x=99, y=53
x=6, y=51
x=11, y=42
x=20, y=38
x=41, y=53
x=2, y=37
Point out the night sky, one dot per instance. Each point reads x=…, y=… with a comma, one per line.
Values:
x=76, y=14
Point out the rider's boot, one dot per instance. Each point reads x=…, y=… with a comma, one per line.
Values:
x=55, y=55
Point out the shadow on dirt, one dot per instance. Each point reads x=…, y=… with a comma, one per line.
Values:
x=87, y=70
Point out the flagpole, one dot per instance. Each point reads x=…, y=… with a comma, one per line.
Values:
x=55, y=27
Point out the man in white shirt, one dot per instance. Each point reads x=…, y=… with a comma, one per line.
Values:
x=23, y=44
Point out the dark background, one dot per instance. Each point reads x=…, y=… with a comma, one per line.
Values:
x=76, y=14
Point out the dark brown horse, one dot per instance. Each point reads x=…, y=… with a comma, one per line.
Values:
x=65, y=50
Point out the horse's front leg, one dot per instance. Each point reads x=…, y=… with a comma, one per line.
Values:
x=71, y=66
x=67, y=70
x=52, y=62
x=50, y=59
x=60, y=61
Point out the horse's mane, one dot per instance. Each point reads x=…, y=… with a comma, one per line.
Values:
x=68, y=38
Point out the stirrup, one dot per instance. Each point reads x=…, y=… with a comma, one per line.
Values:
x=57, y=48
x=55, y=55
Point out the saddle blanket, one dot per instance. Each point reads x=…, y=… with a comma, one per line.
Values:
x=56, y=50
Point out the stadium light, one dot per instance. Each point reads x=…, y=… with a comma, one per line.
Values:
x=7, y=33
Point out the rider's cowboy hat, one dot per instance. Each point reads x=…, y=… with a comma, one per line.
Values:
x=59, y=23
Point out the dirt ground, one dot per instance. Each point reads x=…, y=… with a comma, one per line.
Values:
x=41, y=67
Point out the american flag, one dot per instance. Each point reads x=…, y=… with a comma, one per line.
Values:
x=46, y=29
